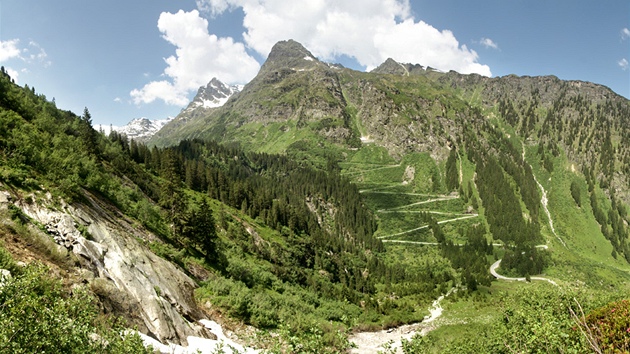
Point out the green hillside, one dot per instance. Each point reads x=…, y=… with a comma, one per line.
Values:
x=458, y=169
x=321, y=202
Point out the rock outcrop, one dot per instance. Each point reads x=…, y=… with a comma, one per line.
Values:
x=151, y=292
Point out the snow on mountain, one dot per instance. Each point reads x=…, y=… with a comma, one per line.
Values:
x=139, y=129
x=213, y=95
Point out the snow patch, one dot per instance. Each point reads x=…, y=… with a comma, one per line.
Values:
x=222, y=344
x=366, y=139
x=308, y=58
x=217, y=102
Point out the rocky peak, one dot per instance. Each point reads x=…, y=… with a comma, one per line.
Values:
x=213, y=95
x=390, y=66
x=289, y=55
x=139, y=129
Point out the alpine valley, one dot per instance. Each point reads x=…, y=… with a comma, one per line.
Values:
x=320, y=209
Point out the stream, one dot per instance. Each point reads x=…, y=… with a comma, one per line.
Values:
x=374, y=342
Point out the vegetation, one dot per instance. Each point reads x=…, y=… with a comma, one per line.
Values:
x=40, y=315
x=334, y=235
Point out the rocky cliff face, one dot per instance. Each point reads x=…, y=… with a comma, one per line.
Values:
x=213, y=95
x=130, y=280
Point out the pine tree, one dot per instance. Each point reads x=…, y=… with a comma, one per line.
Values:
x=452, y=173
x=201, y=231
x=87, y=133
x=575, y=193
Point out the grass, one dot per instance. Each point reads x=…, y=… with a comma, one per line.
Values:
x=587, y=258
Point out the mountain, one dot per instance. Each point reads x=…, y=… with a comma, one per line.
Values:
x=532, y=163
x=322, y=206
x=213, y=95
x=139, y=129
x=208, y=97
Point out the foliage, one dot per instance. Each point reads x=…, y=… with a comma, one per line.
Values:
x=610, y=327
x=533, y=319
x=38, y=315
x=575, y=193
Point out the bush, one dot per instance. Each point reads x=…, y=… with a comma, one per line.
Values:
x=610, y=327
x=38, y=315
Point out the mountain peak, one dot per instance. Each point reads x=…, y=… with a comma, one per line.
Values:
x=391, y=66
x=289, y=49
x=290, y=54
x=139, y=129
x=213, y=95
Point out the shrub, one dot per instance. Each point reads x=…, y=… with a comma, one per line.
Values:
x=610, y=327
x=38, y=315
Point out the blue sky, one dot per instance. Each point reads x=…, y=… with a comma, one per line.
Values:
x=146, y=58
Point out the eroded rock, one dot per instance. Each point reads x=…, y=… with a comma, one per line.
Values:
x=131, y=281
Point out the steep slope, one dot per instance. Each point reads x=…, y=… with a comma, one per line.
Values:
x=278, y=100
x=154, y=294
x=321, y=114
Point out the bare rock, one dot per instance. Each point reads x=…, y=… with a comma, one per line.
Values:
x=130, y=280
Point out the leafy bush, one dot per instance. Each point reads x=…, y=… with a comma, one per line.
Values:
x=610, y=327
x=37, y=315
x=535, y=319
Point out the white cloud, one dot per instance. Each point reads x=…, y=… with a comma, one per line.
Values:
x=13, y=74
x=35, y=53
x=9, y=49
x=118, y=99
x=370, y=32
x=488, y=43
x=30, y=54
x=215, y=7
x=625, y=33
x=623, y=64
x=163, y=90
x=199, y=57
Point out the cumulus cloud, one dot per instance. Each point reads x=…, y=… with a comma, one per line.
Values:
x=488, y=43
x=623, y=64
x=625, y=33
x=371, y=32
x=199, y=56
x=9, y=50
x=13, y=74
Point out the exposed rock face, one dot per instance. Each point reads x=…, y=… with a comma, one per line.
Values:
x=213, y=95
x=131, y=280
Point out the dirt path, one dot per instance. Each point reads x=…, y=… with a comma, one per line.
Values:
x=440, y=199
x=425, y=226
x=375, y=342
x=495, y=265
x=384, y=167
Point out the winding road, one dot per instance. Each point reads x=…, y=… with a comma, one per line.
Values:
x=426, y=226
x=495, y=265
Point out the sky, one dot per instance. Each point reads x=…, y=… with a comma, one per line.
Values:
x=146, y=58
